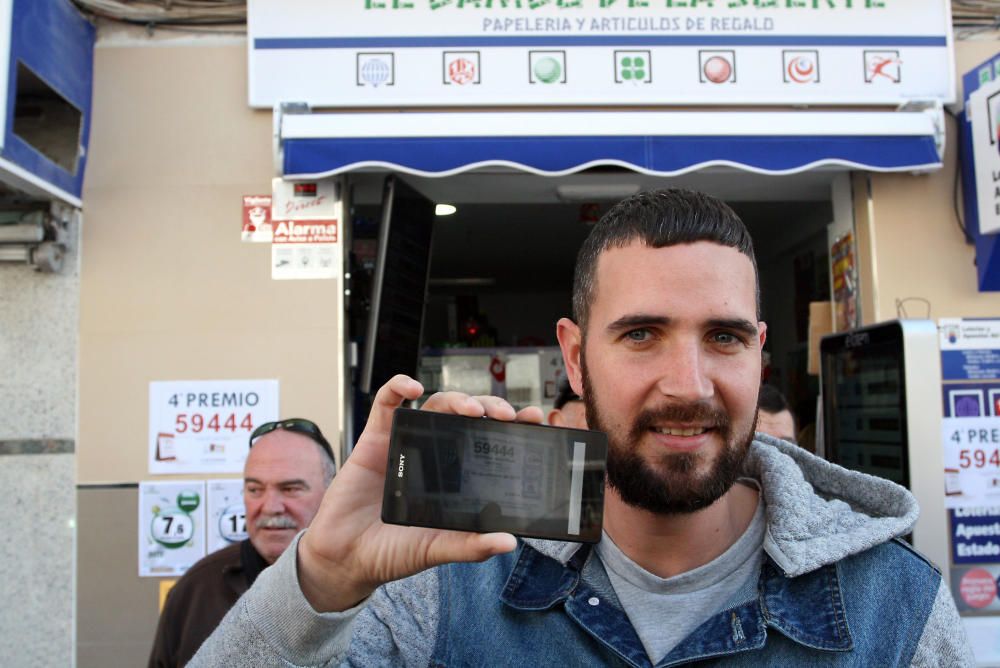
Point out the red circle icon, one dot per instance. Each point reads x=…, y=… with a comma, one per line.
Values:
x=717, y=69
x=978, y=588
x=801, y=69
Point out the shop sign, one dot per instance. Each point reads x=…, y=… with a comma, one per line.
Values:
x=392, y=53
x=203, y=426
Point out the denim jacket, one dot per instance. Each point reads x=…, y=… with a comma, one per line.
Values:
x=836, y=588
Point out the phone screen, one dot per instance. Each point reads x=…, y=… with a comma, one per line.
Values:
x=477, y=474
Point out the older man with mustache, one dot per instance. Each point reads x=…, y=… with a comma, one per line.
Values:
x=286, y=473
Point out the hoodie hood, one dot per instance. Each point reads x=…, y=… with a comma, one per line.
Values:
x=817, y=512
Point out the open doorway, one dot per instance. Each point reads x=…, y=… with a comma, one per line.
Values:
x=501, y=265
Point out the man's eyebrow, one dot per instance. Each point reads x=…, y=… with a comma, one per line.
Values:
x=739, y=324
x=634, y=320
x=280, y=483
x=637, y=320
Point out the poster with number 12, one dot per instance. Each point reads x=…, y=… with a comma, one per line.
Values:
x=203, y=426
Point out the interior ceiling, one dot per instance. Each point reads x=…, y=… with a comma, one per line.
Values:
x=512, y=230
x=533, y=246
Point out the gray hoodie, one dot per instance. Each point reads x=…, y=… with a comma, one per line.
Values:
x=817, y=514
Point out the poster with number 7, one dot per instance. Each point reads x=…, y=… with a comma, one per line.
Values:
x=203, y=426
x=171, y=526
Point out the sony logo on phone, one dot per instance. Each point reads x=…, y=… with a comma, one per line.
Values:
x=402, y=465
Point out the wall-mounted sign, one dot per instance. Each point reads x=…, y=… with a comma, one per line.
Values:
x=391, y=53
x=256, y=218
x=983, y=111
x=171, y=526
x=227, y=517
x=305, y=249
x=304, y=200
x=203, y=426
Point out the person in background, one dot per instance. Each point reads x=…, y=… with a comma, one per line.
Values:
x=775, y=417
x=288, y=469
x=569, y=409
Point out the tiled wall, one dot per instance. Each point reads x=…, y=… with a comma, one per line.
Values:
x=38, y=380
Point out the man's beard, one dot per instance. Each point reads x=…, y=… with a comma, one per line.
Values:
x=672, y=484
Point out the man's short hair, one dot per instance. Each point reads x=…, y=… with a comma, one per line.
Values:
x=771, y=400
x=565, y=395
x=310, y=430
x=657, y=218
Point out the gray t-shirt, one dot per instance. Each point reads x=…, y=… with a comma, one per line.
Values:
x=664, y=611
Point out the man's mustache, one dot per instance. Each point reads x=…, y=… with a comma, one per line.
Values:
x=699, y=413
x=276, y=522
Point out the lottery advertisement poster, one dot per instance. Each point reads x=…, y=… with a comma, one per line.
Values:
x=203, y=426
x=970, y=434
x=227, y=518
x=171, y=526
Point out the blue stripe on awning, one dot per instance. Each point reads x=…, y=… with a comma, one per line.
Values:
x=440, y=156
x=389, y=42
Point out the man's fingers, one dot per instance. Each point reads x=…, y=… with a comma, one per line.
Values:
x=455, y=402
x=454, y=546
x=389, y=397
x=531, y=414
x=497, y=408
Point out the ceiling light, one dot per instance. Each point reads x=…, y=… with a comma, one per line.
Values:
x=595, y=192
x=444, y=209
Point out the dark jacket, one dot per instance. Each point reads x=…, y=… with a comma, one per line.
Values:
x=199, y=601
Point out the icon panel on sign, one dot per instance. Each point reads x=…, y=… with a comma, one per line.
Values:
x=634, y=67
x=376, y=69
x=717, y=67
x=547, y=67
x=461, y=68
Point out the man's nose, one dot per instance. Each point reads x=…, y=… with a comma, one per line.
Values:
x=274, y=502
x=684, y=374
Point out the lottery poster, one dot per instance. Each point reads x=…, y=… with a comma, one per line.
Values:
x=171, y=526
x=970, y=434
x=204, y=426
x=227, y=519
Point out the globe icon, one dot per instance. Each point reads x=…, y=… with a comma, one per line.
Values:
x=547, y=69
x=375, y=71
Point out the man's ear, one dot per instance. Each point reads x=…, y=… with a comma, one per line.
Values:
x=571, y=342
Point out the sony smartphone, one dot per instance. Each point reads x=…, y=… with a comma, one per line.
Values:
x=477, y=474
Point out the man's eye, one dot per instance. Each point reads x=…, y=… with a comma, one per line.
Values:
x=725, y=338
x=253, y=490
x=638, y=335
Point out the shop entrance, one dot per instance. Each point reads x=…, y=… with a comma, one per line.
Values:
x=501, y=269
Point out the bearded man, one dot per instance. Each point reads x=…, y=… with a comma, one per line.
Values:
x=719, y=547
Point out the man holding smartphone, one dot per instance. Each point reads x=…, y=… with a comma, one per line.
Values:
x=716, y=546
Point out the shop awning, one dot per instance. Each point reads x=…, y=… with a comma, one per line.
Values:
x=314, y=145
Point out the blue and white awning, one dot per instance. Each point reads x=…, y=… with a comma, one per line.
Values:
x=560, y=143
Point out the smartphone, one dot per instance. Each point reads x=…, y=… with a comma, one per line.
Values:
x=477, y=474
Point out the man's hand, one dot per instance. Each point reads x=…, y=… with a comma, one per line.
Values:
x=348, y=551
